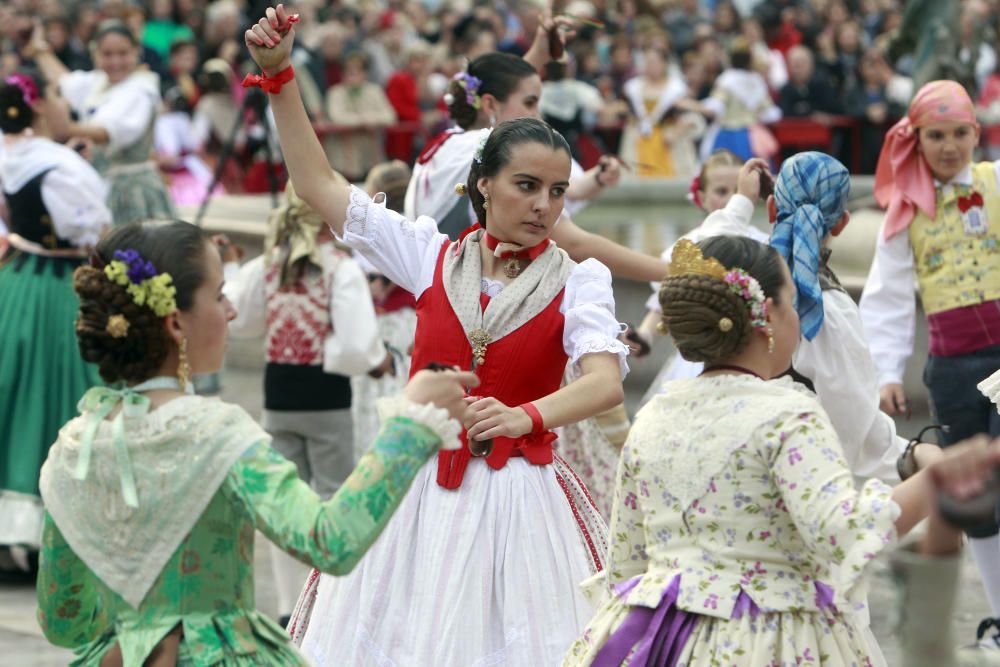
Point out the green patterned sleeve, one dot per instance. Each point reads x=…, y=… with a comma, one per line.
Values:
x=69, y=607
x=333, y=535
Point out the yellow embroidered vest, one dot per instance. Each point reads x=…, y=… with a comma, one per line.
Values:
x=956, y=268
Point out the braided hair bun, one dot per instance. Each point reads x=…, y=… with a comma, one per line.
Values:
x=138, y=354
x=129, y=342
x=707, y=320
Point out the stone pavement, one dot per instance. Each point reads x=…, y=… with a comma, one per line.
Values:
x=22, y=645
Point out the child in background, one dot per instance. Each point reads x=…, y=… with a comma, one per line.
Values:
x=726, y=189
x=739, y=105
x=395, y=312
x=807, y=209
x=310, y=302
x=942, y=226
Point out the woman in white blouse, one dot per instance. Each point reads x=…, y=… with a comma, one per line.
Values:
x=482, y=562
x=57, y=212
x=116, y=106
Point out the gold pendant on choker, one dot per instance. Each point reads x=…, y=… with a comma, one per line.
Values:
x=479, y=340
x=512, y=267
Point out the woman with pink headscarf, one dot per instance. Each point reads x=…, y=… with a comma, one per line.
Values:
x=942, y=227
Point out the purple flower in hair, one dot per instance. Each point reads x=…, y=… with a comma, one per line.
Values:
x=138, y=269
x=27, y=85
x=471, y=85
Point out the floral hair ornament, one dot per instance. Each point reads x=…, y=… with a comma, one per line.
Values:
x=142, y=281
x=471, y=84
x=687, y=259
x=117, y=326
x=693, y=190
x=481, y=146
x=29, y=91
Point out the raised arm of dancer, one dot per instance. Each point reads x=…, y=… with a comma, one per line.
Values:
x=623, y=262
x=605, y=174
x=270, y=43
x=39, y=50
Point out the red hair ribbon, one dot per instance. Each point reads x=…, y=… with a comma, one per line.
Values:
x=270, y=84
x=973, y=200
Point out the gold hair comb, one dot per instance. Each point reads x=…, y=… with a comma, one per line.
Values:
x=687, y=259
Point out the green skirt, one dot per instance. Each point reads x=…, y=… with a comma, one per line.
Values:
x=42, y=377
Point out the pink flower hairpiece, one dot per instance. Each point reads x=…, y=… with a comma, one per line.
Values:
x=745, y=286
x=29, y=91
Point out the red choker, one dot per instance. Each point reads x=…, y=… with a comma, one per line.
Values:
x=530, y=254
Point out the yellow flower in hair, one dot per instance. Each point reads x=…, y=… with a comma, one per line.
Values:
x=160, y=294
x=117, y=272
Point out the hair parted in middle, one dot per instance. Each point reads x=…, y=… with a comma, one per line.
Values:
x=498, y=149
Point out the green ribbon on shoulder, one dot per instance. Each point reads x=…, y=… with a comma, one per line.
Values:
x=97, y=404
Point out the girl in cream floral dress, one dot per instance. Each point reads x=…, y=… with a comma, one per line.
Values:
x=737, y=536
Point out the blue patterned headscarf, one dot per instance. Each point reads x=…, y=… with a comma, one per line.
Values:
x=810, y=194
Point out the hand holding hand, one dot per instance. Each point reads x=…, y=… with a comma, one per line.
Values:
x=445, y=389
x=491, y=419
x=965, y=469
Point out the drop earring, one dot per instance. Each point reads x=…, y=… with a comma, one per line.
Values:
x=486, y=201
x=183, y=368
x=493, y=120
x=770, y=340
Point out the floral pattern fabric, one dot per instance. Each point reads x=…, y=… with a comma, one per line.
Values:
x=207, y=586
x=776, y=516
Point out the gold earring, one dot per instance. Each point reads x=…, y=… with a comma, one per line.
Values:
x=486, y=201
x=183, y=368
x=770, y=340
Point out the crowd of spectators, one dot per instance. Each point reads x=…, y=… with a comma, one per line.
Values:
x=373, y=72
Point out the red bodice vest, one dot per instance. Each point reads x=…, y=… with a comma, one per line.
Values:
x=523, y=366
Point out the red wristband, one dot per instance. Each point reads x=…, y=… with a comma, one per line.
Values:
x=537, y=424
x=270, y=84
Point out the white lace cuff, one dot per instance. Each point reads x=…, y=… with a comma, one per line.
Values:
x=428, y=414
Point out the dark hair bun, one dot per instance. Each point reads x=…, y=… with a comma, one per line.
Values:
x=174, y=247
x=707, y=320
x=134, y=357
x=16, y=115
x=499, y=73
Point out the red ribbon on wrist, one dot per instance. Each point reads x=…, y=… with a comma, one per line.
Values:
x=537, y=424
x=270, y=84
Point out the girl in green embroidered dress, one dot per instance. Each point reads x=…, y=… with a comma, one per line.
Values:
x=153, y=494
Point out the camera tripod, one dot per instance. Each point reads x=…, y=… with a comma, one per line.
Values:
x=255, y=102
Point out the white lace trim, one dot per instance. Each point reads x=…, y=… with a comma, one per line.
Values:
x=593, y=343
x=435, y=418
x=991, y=388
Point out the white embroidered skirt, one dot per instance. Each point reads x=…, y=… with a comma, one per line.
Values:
x=486, y=574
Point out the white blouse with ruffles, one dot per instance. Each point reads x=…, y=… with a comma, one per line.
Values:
x=407, y=253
